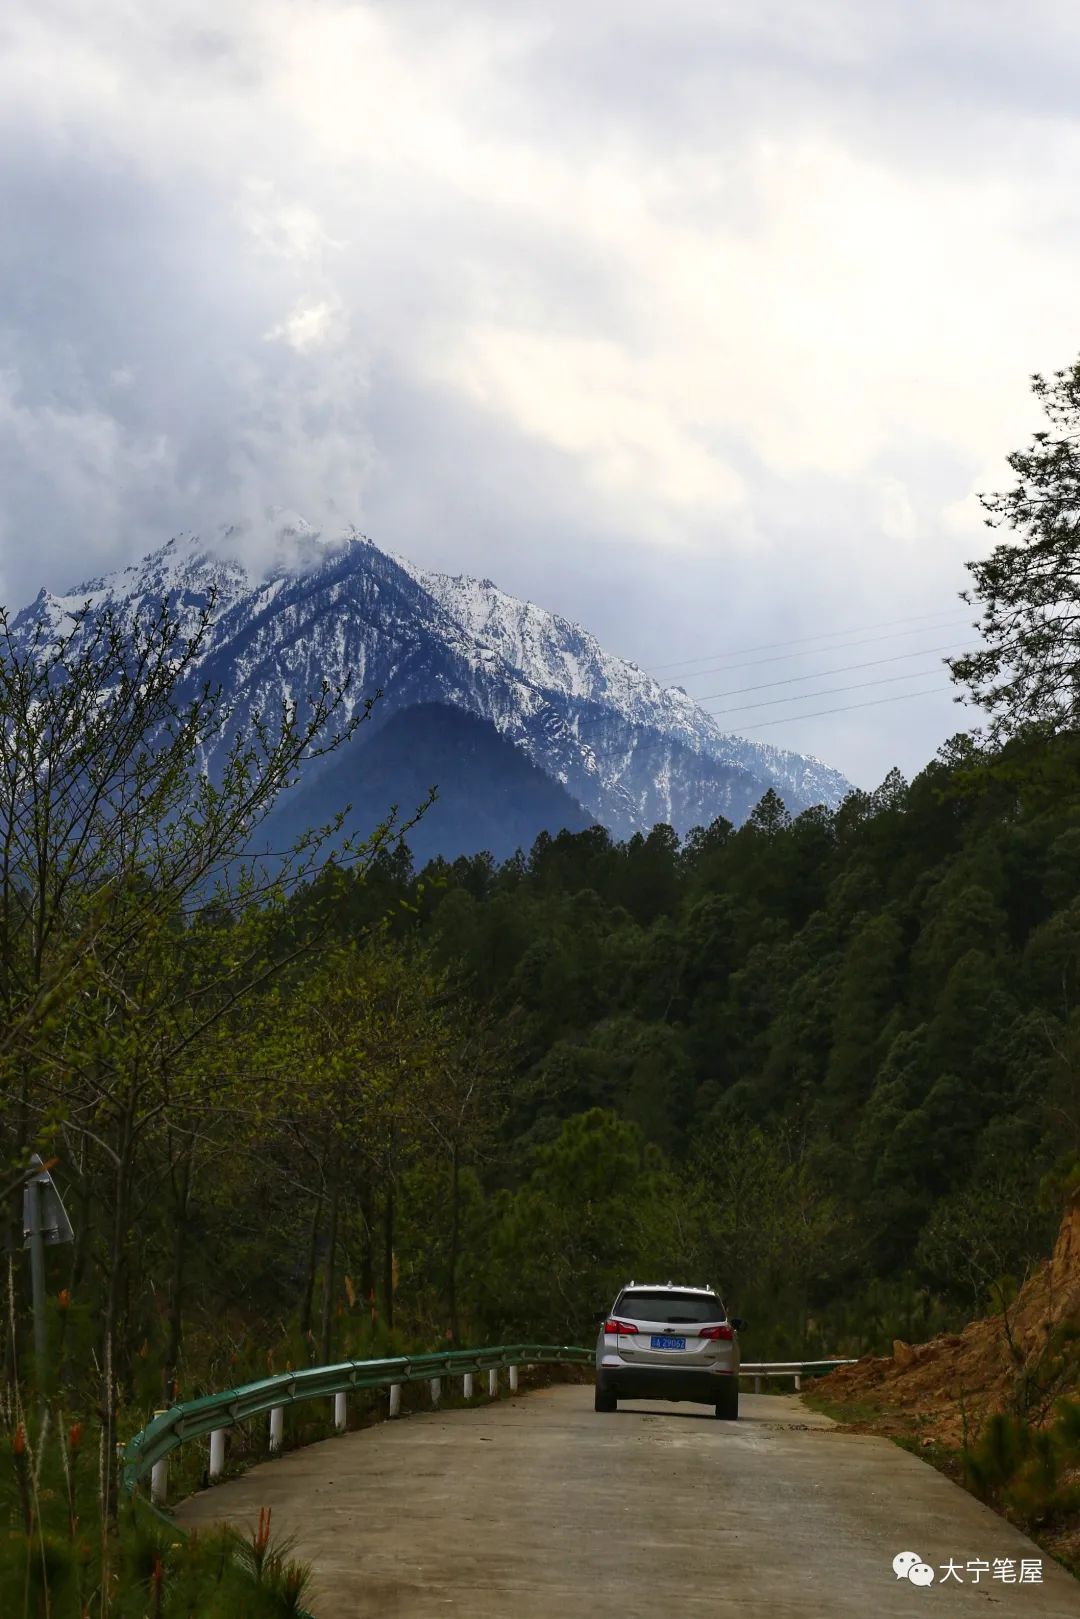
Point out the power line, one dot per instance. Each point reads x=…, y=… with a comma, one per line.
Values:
x=812, y=652
x=825, y=635
x=830, y=691
x=846, y=708
x=820, y=674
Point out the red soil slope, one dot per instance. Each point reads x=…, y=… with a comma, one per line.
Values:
x=962, y=1377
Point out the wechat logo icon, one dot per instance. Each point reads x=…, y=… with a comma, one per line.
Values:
x=910, y=1566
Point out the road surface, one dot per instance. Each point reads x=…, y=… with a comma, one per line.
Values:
x=537, y=1508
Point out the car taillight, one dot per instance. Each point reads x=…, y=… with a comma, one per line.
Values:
x=619, y=1326
x=727, y=1333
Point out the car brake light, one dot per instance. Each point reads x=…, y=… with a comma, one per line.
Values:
x=727, y=1333
x=622, y=1327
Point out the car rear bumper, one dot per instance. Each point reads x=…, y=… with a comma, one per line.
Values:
x=664, y=1383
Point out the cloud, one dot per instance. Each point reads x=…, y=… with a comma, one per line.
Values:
x=309, y=326
x=699, y=322
x=584, y=396
x=79, y=458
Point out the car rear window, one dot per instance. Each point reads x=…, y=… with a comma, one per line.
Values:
x=672, y=1309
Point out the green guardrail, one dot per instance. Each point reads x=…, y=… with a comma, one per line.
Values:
x=191, y=1419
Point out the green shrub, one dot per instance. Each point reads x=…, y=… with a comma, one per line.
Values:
x=1024, y=1470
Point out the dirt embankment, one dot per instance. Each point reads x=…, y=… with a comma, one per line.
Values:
x=1017, y=1359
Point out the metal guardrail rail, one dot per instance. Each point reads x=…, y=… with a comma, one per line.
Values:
x=214, y=1413
x=795, y=1369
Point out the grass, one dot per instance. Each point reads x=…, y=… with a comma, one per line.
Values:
x=66, y=1555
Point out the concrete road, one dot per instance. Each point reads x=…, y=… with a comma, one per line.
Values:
x=537, y=1508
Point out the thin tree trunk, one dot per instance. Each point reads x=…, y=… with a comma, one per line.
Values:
x=331, y=1255
x=181, y=1203
x=14, y=1233
x=388, y=1254
x=107, y=1415
x=82, y=1221
x=307, y=1301
x=113, y=1323
x=451, y=1291
x=367, y=1249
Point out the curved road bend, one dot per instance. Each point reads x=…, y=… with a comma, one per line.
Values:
x=537, y=1508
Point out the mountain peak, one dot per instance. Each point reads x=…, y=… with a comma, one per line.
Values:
x=293, y=606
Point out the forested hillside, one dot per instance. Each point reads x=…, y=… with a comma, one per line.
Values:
x=834, y=1055
x=826, y=1063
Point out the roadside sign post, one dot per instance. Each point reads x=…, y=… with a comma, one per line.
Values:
x=37, y=1276
x=45, y=1222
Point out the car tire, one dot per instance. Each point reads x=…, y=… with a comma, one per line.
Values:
x=727, y=1409
x=603, y=1401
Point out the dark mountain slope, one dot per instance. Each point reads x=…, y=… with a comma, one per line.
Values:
x=490, y=796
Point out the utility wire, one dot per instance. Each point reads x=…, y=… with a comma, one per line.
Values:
x=830, y=691
x=820, y=674
x=846, y=708
x=818, y=651
x=825, y=635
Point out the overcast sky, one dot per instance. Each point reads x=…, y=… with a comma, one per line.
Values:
x=697, y=321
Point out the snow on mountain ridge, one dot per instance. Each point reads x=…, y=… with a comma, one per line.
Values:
x=557, y=653
x=292, y=607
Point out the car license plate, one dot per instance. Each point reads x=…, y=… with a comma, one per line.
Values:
x=659, y=1341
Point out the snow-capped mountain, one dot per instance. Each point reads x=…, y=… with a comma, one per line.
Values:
x=631, y=751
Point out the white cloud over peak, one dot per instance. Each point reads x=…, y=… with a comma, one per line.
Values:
x=732, y=305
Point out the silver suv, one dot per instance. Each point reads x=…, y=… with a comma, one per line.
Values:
x=662, y=1342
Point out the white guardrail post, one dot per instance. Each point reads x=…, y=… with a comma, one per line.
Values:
x=159, y=1477
x=277, y=1428
x=513, y=1379
x=436, y=1390
x=467, y=1381
x=217, y=1454
x=341, y=1420
x=395, y=1399
x=493, y=1382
